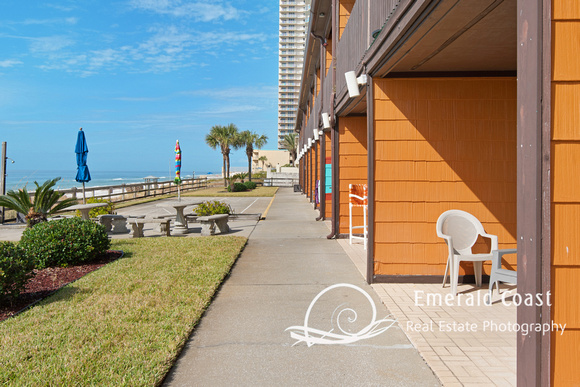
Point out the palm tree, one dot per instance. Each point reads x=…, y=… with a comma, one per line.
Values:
x=251, y=140
x=289, y=143
x=45, y=203
x=263, y=159
x=224, y=137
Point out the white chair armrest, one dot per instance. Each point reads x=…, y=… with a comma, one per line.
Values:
x=494, y=243
x=449, y=242
x=497, y=254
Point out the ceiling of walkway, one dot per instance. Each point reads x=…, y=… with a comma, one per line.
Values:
x=461, y=36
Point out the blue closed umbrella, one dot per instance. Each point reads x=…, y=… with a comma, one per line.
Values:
x=81, y=149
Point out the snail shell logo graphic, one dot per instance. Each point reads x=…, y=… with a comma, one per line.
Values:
x=339, y=332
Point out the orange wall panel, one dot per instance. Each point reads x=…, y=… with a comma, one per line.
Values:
x=328, y=156
x=564, y=301
x=566, y=50
x=566, y=9
x=352, y=137
x=566, y=115
x=565, y=371
x=440, y=144
x=566, y=178
x=566, y=242
x=565, y=196
x=344, y=10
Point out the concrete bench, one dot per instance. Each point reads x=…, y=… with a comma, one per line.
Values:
x=117, y=224
x=209, y=224
x=191, y=217
x=137, y=225
x=163, y=226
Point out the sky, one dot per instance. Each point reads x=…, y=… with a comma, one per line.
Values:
x=136, y=75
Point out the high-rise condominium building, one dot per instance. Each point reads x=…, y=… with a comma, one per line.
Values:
x=292, y=38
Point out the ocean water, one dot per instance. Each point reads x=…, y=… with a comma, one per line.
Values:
x=16, y=179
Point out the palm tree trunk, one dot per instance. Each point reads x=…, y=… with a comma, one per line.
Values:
x=249, y=168
x=224, y=171
x=228, y=163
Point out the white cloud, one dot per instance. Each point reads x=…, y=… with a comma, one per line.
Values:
x=9, y=63
x=107, y=57
x=228, y=109
x=50, y=43
x=199, y=11
x=40, y=22
x=249, y=93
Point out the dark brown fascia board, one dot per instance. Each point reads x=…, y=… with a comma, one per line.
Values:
x=407, y=19
x=401, y=24
x=345, y=104
x=320, y=27
x=452, y=74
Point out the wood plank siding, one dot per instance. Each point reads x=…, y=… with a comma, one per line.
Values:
x=328, y=175
x=565, y=166
x=441, y=144
x=316, y=149
x=352, y=164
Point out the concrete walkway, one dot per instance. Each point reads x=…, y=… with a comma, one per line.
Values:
x=241, y=340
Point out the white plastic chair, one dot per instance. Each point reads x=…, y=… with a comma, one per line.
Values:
x=358, y=197
x=460, y=231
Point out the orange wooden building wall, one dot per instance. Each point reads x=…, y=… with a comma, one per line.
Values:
x=344, y=10
x=566, y=191
x=328, y=160
x=352, y=165
x=441, y=144
x=316, y=167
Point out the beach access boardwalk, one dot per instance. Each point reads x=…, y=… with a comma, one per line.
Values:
x=242, y=339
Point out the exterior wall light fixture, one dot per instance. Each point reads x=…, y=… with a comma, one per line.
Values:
x=316, y=135
x=325, y=121
x=352, y=83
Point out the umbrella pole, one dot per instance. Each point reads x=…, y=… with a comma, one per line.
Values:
x=178, y=193
x=84, y=197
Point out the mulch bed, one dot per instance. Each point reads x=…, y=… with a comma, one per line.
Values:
x=48, y=280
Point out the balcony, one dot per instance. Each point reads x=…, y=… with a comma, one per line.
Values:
x=356, y=37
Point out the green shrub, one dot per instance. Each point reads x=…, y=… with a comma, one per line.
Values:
x=65, y=242
x=237, y=187
x=213, y=207
x=99, y=210
x=250, y=185
x=15, y=269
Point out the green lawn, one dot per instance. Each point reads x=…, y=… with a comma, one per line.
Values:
x=123, y=324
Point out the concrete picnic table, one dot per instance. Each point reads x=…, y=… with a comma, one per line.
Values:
x=86, y=208
x=180, y=220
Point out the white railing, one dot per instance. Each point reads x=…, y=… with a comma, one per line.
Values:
x=123, y=192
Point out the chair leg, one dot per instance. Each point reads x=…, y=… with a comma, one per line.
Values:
x=477, y=269
x=454, y=275
x=365, y=227
x=446, y=270
x=350, y=223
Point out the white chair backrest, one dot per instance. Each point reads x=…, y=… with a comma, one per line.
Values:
x=462, y=227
